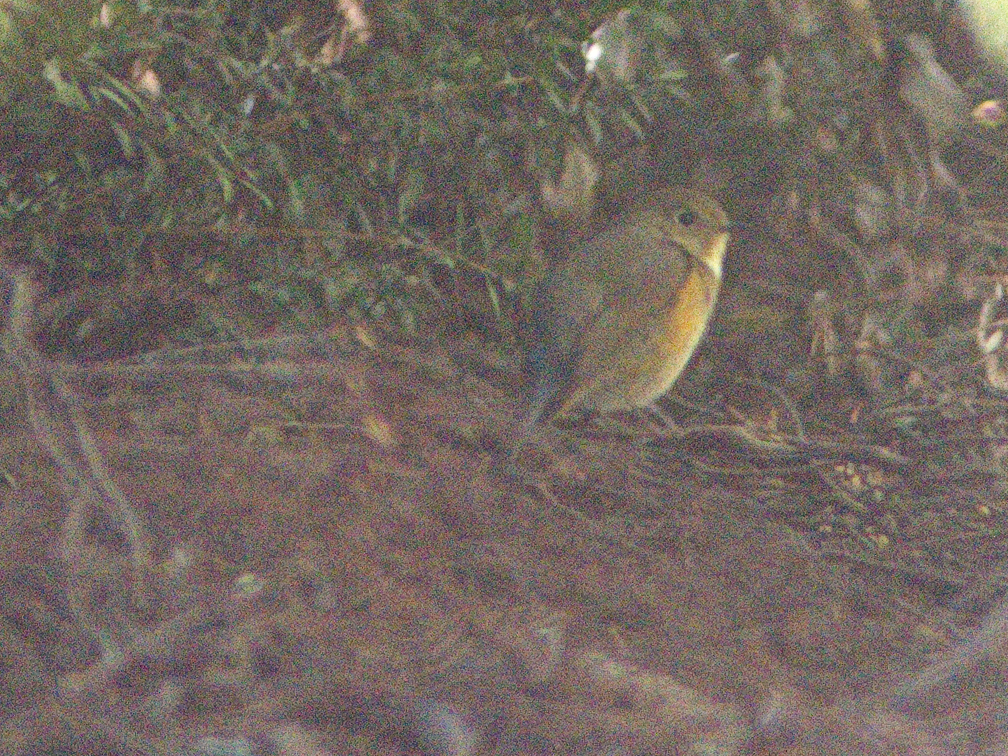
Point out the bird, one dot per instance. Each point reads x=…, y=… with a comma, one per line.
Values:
x=615, y=324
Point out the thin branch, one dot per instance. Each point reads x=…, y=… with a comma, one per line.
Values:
x=57, y=421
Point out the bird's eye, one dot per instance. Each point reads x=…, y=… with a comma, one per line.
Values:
x=686, y=218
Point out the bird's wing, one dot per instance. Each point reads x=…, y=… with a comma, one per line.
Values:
x=621, y=342
x=598, y=303
x=563, y=308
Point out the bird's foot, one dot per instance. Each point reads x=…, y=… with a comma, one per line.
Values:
x=669, y=426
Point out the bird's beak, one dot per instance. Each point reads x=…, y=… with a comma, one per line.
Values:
x=715, y=252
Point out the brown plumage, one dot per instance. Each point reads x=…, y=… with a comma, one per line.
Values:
x=614, y=326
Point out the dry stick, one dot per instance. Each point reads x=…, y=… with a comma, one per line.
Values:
x=55, y=417
x=794, y=447
x=116, y=504
x=159, y=643
x=26, y=362
x=268, y=359
x=81, y=699
x=57, y=420
x=253, y=353
x=43, y=400
x=54, y=411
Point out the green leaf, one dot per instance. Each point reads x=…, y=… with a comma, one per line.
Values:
x=69, y=93
x=154, y=175
x=591, y=110
x=553, y=96
x=24, y=6
x=263, y=197
x=472, y=62
x=296, y=204
x=8, y=35
x=494, y=298
x=127, y=93
x=223, y=178
x=642, y=107
x=410, y=194
x=124, y=139
x=632, y=124
x=511, y=84
x=108, y=94
x=458, y=233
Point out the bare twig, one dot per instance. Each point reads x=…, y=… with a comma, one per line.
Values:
x=60, y=427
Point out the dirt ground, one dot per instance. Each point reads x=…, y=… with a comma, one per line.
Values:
x=313, y=544
x=316, y=550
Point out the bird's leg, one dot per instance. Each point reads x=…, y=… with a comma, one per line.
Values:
x=669, y=426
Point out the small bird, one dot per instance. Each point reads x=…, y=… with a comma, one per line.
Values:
x=614, y=325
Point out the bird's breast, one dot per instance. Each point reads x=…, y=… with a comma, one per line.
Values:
x=678, y=336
